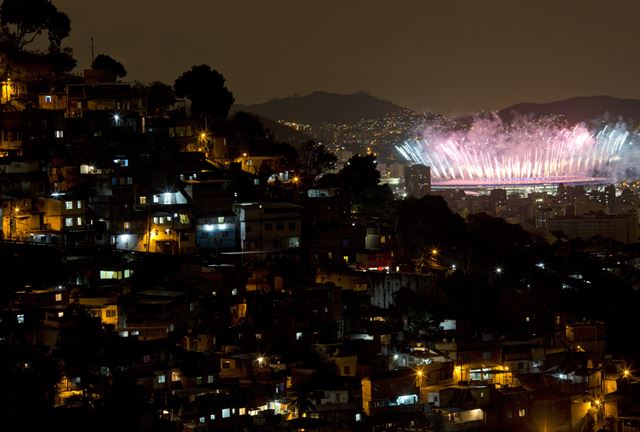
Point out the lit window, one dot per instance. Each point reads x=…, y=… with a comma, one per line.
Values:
x=156, y=198
x=201, y=419
x=234, y=291
x=111, y=313
x=20, y=318
x=79, y=220
x=58, y=297
x=220, y=219
x=60, y=314
x=68, y=205
x=212, y=416
x=155, y=219
x=167, y=198
x=175, y=376
x=226, y=412
x=242, y=411
x=298, y=335
x=48, y=99
x=68, y=222
x=127, y=225
x=161, y=379
x=258, y=336
x=521, y=412
x=59, y=134
x=79, y=204
x=143, y=200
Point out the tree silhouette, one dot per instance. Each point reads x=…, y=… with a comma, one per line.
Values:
x=315, y=160
x=24, y=20
x=205, y=88
x=108, y=63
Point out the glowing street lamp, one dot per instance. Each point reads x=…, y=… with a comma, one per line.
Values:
x=498, y=270
x=434, y=251
x=626, y=373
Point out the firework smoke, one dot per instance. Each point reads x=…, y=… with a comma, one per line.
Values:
x=524, y=150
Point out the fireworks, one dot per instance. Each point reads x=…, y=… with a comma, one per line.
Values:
x=524, y=152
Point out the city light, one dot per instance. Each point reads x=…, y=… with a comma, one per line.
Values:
x=498, y=270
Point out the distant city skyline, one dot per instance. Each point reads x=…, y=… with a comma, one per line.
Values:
x=451, y=57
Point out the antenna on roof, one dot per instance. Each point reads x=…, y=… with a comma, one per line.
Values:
x=92, y=53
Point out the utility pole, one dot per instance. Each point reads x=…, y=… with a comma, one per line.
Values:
x=92, y=52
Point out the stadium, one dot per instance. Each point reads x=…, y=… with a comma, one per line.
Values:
x=526, y=155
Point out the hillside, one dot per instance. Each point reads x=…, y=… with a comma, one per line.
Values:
x=579, y=109
x=322, y=107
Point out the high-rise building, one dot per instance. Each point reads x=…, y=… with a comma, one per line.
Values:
x=417, y=180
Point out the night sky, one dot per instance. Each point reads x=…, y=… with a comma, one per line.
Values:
x=449, y=56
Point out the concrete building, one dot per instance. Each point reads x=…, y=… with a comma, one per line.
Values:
x=623, y=228
x=417, y=180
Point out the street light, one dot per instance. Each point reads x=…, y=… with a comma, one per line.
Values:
x=498, y=270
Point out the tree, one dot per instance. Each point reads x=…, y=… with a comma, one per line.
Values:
x=25, y=20
x=359, y=179
x=160, y=96
x=315, y=160
x=108, y=63
x=205, y=88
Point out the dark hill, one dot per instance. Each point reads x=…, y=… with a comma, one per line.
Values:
x=579, y=109
x=322, y=107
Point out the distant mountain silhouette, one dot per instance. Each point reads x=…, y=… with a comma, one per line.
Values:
x=322, y=107
x=579, y=109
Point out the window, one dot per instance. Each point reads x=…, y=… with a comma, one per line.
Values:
x=279, y=226
x=79, y=220
x=202, y=419
x=161, y=379
x=143, y=200
x=48, y=99
x=226, y=412
x=79, y=204
x=212, y=416
x=210, y=379
x=127, y=225
x=522, y=412
x=111, y=313
x=68, y=205
x=292, y=225
x=58, y=297
x=509, y=414
x=156, y=199
x=167, y=198
x=268, y=226
x=59, y=134
x=175, y=376
x=226, y=364
x=20, y=318
x=155, y=219
x=220, y=219
x=242, y=411
x=346, y=370
x=60, y=314
x=68, y=222
x=258, y=336
x=298, y=335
